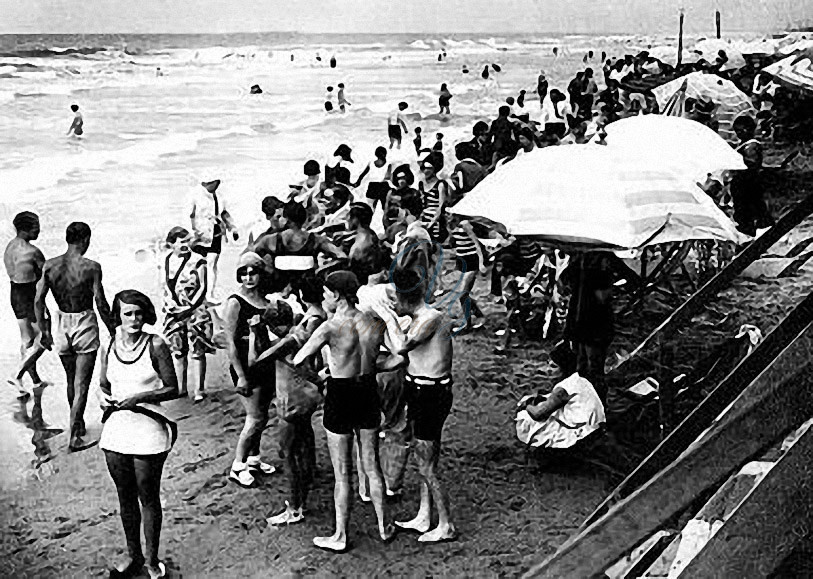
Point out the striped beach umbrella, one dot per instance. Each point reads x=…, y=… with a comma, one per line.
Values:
x=683, y=144
x=794, y=71
x=731, y=102
x=593, y=196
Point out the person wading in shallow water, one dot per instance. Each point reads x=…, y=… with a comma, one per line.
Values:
x=426, y=349
x=24, y=261
x=352, y=405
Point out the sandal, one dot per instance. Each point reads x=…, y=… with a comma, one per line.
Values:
x=287, y=517
x=242, y=477
x=260, y=466
x=132, y=570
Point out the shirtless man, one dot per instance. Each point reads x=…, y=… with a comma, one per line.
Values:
x=365, y=253
x=395, y=123
x=24, y=262
x=426, y=347
x=351, y=401
x=78, y=121
x=75, y=282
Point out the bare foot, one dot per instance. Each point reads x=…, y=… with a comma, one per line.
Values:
x=336, y=543
x=420, y=524
x=439, y=535
x=389, y=533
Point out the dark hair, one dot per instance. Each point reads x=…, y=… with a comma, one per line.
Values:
x=25, y=221
x=744, y=122
x=564, y=357
x=479, y=128
x=295, y=213
x=311, y=289
x=527, y=133
x=505, y=110
x=412, y=205
x=176, y=233
x=510, y=100
x=330, y=88
x=270, y=205
x=341, y=85
x=363, y=214
x=278, y=314
x=380, y=152
x=312, y=168
x=133, y=298
x=74, y=108
x=77, y=232
x=418, y=130
x=439, y=136
x=402, y=105
x=463, y=150
x=407, y=284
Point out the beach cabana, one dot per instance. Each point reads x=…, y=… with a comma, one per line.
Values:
x=731, y=101
x=796, y=71
x=596, y=197
x=680, y=143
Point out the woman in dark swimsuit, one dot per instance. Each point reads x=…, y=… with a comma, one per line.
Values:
x=256, y=385
x=294, y=250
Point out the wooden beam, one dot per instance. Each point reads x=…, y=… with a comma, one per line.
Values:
x=726, y=275
x=711, y=407
x=780, y=399
x=767, y=524
x=680, y=40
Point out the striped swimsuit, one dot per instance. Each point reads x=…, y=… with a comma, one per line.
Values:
x=431, y=206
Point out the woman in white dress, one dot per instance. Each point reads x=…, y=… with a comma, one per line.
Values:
x=136, y=375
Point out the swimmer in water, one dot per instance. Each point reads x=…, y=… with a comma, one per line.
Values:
x=484, y=74
x=329, y=99
x=340, y=96
x=78, y=121
x=332, y=62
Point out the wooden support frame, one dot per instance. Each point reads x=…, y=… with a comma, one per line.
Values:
x=778, y=400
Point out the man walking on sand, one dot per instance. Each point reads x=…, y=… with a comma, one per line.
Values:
x=24, y=262
x=211, y=221
x=426, y=348
x=76, y=283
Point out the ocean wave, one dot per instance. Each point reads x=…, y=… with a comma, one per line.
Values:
x=48, y=52
x=45, y=173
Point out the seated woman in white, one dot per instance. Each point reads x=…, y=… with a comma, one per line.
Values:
x=570, y=413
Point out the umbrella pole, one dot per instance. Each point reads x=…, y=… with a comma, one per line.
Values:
x=717, y=22
x=680, y=42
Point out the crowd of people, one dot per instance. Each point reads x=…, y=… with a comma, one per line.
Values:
x=344, y=302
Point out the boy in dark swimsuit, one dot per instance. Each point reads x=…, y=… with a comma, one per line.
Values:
x=24, y=262
x=352, y=406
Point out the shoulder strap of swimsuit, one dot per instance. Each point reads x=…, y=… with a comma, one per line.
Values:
x=173, y=281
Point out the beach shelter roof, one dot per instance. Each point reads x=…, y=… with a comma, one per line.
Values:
x=668, y=55
x=795, y=47
x=680, y=143
x=761, y=47
x=596, y=197
x=796, y=71
x=711, y=47
x=731, y=101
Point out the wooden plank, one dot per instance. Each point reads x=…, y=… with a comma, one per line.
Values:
x=780, y=399
x=702, y=416
x=765, y=527
x=725, y=276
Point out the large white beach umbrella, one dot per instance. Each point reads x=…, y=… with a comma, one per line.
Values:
x=683, y=144
x=731, y=101
x=596, y=196
x=796, y=71
x=711, y=47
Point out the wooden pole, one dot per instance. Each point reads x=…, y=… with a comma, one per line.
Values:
x=717, y=20
x=680, y=41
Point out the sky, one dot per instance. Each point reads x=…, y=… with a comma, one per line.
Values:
x=405, y=16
